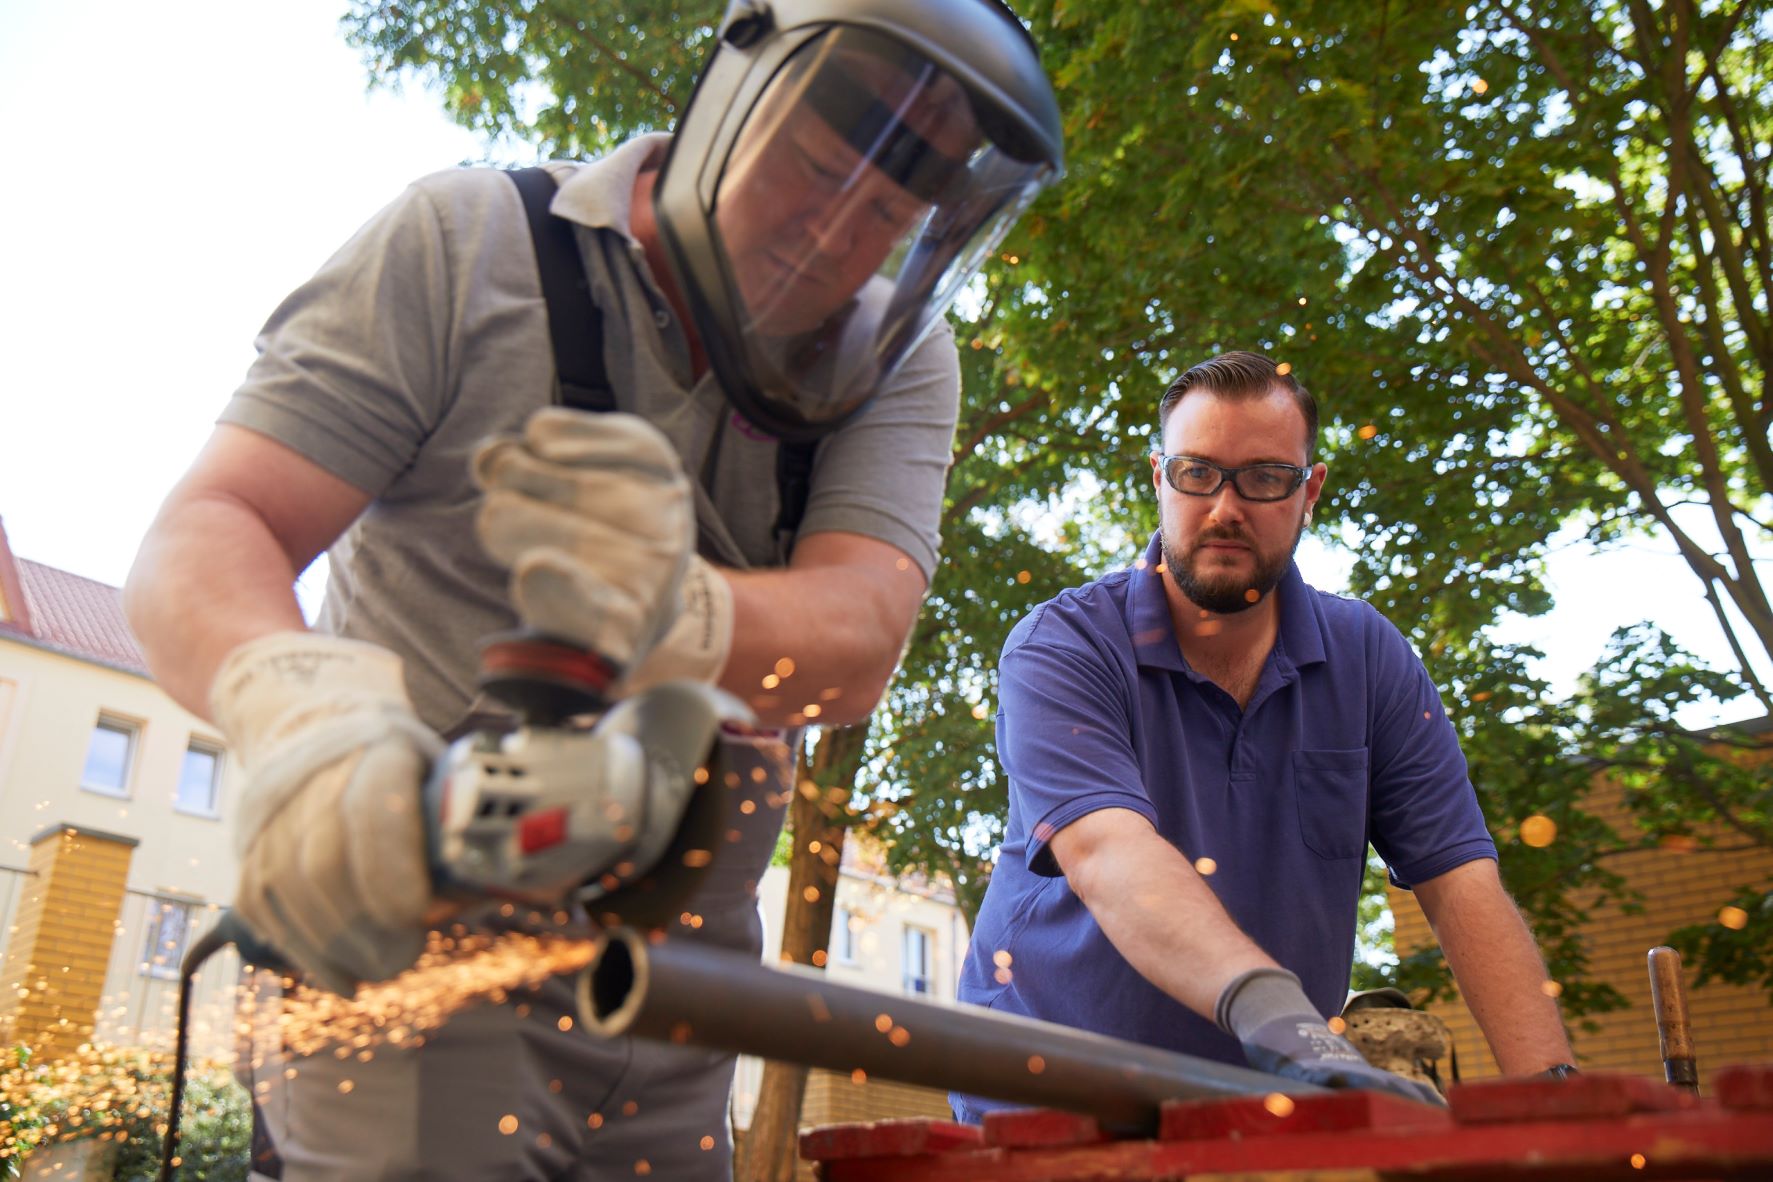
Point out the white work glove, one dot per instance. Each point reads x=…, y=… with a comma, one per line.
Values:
x=330, y=836
x=594, y=515
x=696, y=646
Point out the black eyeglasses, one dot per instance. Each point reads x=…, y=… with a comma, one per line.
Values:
x=1195, y=477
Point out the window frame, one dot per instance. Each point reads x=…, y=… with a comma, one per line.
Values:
x=907, y=979
x=160, y=907
x=218, y=753
x=132, y=732
x=843, y=936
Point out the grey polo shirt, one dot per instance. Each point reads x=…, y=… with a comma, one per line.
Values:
x=426, y=333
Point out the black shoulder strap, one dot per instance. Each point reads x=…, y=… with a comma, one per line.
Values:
x=794, y=482
x=578, y=355
x=574, y=322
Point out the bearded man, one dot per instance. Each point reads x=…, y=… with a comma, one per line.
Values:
x=1199, y=751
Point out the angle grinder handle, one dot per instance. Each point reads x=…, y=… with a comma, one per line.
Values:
x=1668, y=998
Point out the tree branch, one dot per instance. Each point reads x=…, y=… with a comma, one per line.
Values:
x=1742, y=665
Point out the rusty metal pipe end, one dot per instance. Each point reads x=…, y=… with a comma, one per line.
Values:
x=612, y=987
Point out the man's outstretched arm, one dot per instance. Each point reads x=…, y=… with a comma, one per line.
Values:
x=1497, y=964
x=217, y=566
x=1171, y=927
x=840, y=614
x=1154, y=908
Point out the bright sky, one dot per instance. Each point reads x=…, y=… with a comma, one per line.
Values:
x=178, y=167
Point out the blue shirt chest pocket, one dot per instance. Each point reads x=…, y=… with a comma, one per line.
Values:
x=1330, y=789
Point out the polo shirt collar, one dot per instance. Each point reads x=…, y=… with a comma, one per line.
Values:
x=600, y=194
x=1148, y=613
x=1154, y=633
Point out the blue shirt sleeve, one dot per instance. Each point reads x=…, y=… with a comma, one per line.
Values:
x=1424, y=815
x=1064, y=731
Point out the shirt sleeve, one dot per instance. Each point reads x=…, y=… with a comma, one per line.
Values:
x=1064, y=736
x=883, y=473
x=352, y=366
x=1424, y=813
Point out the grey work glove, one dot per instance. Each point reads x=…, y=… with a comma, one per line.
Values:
x=594, y=516
x=330, y=834
x=1267, y=1011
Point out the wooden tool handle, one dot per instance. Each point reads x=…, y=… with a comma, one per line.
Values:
x=1668, y=997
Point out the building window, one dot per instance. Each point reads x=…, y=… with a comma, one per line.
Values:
x=843, y=936
x=110, y=754
x=200, y=778
x=917, y=960
x=169, y=926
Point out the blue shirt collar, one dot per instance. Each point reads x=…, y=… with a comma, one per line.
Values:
x=1301, y=639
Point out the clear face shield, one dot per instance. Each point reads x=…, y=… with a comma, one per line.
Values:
x=860, y=195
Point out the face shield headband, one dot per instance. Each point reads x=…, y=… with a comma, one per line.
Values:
x=880, y=135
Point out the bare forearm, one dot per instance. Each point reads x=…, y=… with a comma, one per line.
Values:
x=817, y=644
x=208, y=577
x=1164, y=919
x=1496, y=962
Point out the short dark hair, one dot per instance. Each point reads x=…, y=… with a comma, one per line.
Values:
x=1242, y=375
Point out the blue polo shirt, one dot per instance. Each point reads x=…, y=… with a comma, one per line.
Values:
x=1344, y=742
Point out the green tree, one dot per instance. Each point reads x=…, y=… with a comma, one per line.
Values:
x=1520, y=250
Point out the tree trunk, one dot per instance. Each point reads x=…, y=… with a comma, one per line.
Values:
x=818, y=817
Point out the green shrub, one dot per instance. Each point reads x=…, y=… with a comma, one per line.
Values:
x=215, y=1143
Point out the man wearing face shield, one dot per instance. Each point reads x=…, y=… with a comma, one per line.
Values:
x=756, y=506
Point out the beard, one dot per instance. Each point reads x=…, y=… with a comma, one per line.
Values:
x=1226, y=594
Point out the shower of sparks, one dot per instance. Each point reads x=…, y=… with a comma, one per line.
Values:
x=105, y=1090
x=455, y=971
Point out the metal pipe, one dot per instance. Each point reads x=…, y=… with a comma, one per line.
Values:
x=684, y=993
x=1668, y=999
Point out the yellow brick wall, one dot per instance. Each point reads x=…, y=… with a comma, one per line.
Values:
x=53, y=977
x=837, y=1099
x=1731, y=1024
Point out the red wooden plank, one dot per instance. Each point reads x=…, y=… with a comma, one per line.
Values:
x=1707, y=1143
x=1029, y=1128
x=1589, y=1096
x=1278, y=1115
x=1746, y=1086
x=887, y=1138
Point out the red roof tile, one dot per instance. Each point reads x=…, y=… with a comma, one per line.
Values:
x=79, y=616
